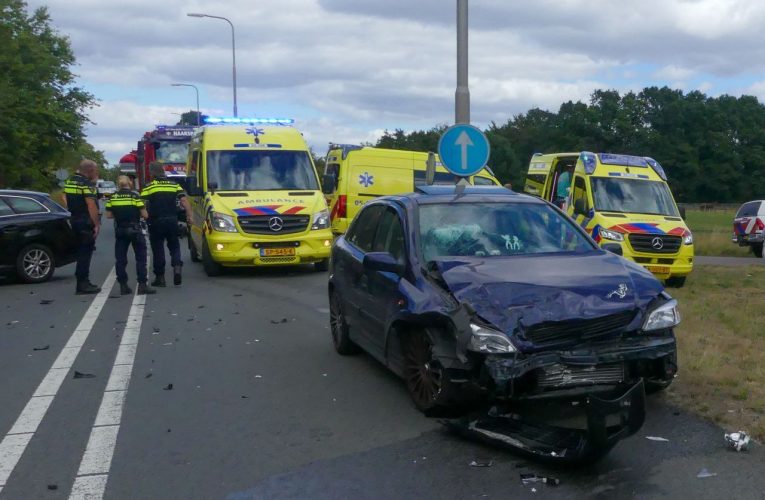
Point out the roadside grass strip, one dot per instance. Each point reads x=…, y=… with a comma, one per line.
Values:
x=712, y=233
x=721, y=347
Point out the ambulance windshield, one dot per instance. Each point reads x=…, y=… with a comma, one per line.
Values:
x=260, y=170
x=632, y=196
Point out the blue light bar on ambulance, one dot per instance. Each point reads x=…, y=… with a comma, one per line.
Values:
x=213, y=120
x=656, y=167
x=589, y=161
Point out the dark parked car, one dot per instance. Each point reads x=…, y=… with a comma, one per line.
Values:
x=35, y=235
x=484, y=296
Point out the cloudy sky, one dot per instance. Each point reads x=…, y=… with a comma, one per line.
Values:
x=348, y=69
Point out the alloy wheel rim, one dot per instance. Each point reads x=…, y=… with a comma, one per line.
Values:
x=336, y=321
x=36, y=263
x=423, y=376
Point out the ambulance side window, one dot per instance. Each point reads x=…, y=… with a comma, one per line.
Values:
x=194, y=166
x=580, y=193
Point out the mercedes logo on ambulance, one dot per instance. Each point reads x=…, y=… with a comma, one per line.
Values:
x=657, y=243
x=275, y=224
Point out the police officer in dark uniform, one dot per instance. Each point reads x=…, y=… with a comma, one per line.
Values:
x=161, y=195
x=81, y=200
x=127, y=208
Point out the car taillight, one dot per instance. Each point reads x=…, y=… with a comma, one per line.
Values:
x=758, y=224
x=340, y=210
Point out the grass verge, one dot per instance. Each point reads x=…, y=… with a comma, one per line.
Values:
x=721, y=347
x=712, y=231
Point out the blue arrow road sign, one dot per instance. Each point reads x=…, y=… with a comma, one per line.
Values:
x=464, y=150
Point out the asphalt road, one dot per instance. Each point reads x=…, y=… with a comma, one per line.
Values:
x=262, y=407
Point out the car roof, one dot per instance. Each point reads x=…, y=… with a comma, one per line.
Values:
x=19, y=192
x=447, y=193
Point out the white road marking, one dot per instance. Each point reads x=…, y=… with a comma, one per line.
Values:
x=93, y=473
x=15, y=442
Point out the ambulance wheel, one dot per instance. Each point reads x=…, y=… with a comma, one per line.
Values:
x=757, y=249
x=322, y=266
x=211, y=267
x=676, y=282
x=193, y=250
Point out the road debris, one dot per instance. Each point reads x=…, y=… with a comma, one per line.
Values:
x=737, y=440
x=83, y=375
x=45, y=302
x=237, y=295
x=705, y=473
x=43, y=348
x=481, y=463
x=155, y=329
x=258, y=376
x=657, y=438
x=52, y=487
x=148, y=375
x=244, y=397
x=527, y=479
x=279, y=321
x=168, y=387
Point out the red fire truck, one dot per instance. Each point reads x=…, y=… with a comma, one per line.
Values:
x=167, y=144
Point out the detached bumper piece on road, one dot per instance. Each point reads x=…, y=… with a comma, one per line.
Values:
x=608, y=420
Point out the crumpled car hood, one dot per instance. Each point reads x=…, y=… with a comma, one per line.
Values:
x=514, y=293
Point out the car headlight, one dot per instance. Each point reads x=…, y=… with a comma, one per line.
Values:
x=488, y=341
x=320, y=220
x=665, y=316
x=222, y=223
x=611, y=235
x=688, y=239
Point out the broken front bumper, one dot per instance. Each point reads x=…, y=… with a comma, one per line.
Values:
x=582, y=370
x=609, y=420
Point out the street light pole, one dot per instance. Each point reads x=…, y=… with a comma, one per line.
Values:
x=233, y=48
x=462, y=95
x=197, y=91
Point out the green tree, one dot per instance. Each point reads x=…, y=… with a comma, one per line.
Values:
x=190, y=118
x=43, y=110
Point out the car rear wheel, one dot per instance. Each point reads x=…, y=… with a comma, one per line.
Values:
x=339, y=328
x=423, y=374
x=35, y=263
x=757, y=249
x=211, y=267
x=322, y=266
x=676, y=282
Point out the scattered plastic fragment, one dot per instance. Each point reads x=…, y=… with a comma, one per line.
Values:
x=237, y=295
x=657, y=438
x=45, y=302
x=201, y=307
x=738, y=440
x=83, y=375
x=258, y=376
x=114, y=296
x=527, y=479
x=481, y=463
x=244, y=397
x=148, y=375
x=155, y=329
x=278, y=321
x=52, y=487
x=11, y=323
x=43, y=348
x=705, y=473
x=168, y=343
x=168, y=387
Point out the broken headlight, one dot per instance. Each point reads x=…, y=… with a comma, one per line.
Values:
x=665, y=316
x=488, y=341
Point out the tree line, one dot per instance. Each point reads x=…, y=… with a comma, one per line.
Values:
x=712, y=148
x=43, y=110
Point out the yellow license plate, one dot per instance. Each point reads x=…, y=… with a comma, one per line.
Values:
x=658, y=269
x=276, y=252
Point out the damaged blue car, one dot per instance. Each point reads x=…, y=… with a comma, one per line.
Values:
x=491, y=305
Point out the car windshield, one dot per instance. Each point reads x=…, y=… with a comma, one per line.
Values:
x=107, y=184
x=632, y=196
x=172, y=151
x=261, y=170
x=496, y=229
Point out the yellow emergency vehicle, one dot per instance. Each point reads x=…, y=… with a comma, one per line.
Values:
x=256, y=197
x=622, y=200
x=354, y=175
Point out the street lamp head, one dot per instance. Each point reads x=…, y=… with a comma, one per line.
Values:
x=176, y=85
x=196, y=14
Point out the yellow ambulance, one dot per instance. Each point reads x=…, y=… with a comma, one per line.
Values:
x=354, y=175
x=622, y=201
x=256, y=196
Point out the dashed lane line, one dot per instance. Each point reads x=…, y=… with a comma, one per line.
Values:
x=93, y=473
x=16, y=440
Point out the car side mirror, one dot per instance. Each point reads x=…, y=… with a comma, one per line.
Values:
x=383, y=262
x=579, y=208
x=682, y=212
x=212, y=186
x=613, y=248
x=328, y=183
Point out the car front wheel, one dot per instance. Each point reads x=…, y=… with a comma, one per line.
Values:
x=424, y=376
x=35, y=263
